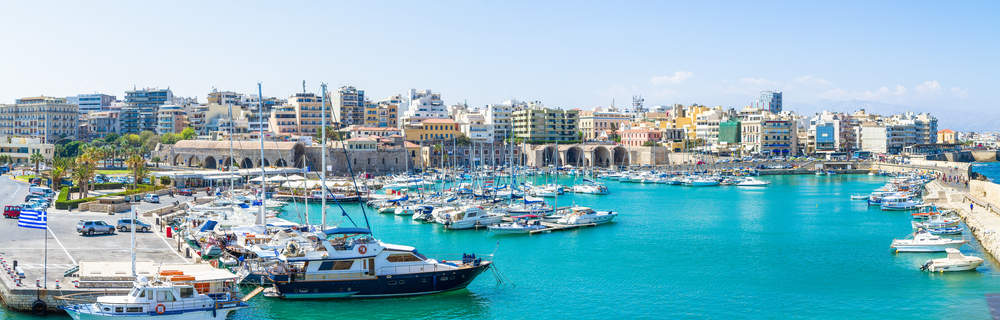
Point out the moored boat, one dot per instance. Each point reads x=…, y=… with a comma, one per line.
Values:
x=956, y=261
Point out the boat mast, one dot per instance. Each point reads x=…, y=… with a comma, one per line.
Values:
x=322, y=102
x=230, y=165
x=261, y=215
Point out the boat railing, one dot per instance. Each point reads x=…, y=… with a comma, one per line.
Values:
x=87, y=303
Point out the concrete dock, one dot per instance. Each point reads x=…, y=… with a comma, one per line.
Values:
x=66, y=248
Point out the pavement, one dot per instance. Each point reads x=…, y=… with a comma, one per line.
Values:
x=66, y=247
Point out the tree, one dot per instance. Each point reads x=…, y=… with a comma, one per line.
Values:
x=36, y=158
x=111, y=137
x=60, y=168
x=164, y=181
x=437, y=149
x=4, y=159
x=188, y=134
x=137, y=165
x=169, y=138
x=614, y=133
x=157, y=161
x=463, y=140
x=86, y=165
x=71, y=149
x=650, y=144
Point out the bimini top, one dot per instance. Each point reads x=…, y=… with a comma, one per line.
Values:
x=333, y=231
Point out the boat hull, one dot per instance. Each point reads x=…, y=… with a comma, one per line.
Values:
x=927, y=248
x=192, y=315
x=956, y=266
x=386, y=286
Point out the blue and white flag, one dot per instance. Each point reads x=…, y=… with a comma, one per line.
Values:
x=33, y=219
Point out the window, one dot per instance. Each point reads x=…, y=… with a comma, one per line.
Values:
x=402, y=257
x=187, y=292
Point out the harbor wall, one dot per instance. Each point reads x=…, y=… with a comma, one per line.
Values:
x=982, y=218
x=21, y=298
x=986, y=191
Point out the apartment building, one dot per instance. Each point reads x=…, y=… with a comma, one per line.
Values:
x=350, y=106
x=500, y=117
x=423, y=104
x=537, y=123
x=47, y=118
x=100, y=124
x=432, y=130
x=599, y=122
x=638, y=137
x=20, y=149
x=95, y=102
x=139, y=112
x=171, y=119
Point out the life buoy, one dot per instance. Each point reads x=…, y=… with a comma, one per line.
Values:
x=160, y=308
x=362, y=249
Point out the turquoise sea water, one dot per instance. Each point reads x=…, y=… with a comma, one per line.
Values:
x=989, y=169
x=799, y=248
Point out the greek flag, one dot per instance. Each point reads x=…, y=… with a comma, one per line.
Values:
x=33, y=219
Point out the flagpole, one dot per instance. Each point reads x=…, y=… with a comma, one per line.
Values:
x=46, y=234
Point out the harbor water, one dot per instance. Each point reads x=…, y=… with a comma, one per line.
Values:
x=798, y=248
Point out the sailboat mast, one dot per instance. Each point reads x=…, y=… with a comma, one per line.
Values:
x=230, y=164
x=322, y=102
x=261, y=215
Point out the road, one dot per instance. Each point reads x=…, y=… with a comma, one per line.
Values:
x=66, y=247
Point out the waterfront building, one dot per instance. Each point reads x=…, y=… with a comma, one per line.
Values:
x=600, y=121
x=309, y=110
x=253, y=113
x=46, y=118
x=140, y=110
x=500, y=117
x=100, y=124
x=473, y=125
x=432, y=130
x=779, y=136
x=374, y=132
x=537, y=123
x=769, y=101
x=284, y=120
x=639, y=137
x=947, y=136
x=95, y=102
x=20, y=149
x=171, y=119
x=206, y=118
x=350, y=107
x=707, y=127
x=225, y=97
x=729, y=135
x=874, y=137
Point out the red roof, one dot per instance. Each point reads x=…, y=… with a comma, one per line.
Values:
x=395, y=136
x=411, y=144
x=946, y=131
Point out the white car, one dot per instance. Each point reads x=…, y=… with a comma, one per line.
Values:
x=151, y=198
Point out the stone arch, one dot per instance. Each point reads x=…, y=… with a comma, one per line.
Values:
x=178, y=160
x=586, y=162
x=574, y=156
x=550, y=156
x=246, y=163
x=602, y=156
x=210, y=162
x=193, y=161
x=299, y=155
x=263, y=163
x=228, y=162
x=280, y=163
x=621, y=157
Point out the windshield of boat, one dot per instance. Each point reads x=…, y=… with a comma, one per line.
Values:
x=422, y=257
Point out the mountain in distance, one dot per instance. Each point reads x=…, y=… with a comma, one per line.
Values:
x=961, y=119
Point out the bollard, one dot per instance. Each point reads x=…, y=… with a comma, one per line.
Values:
x=38, y=283
x=57, y=284
x=17, y=282
x=187, y=252
x=169, y=234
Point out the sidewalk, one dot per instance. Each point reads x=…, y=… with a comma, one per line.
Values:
x=982, y=220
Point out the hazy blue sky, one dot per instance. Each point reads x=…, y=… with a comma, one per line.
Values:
x=571, y=54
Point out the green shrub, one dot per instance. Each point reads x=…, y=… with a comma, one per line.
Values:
x=63, y=204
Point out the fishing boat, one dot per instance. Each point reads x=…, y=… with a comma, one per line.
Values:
x=956, y=261
x=585, y=215
x=521, y=224
x=946, y=231
x=352, y=264
x=898, y=203
x=752, y=182
x=923, y=241
x=859, y=197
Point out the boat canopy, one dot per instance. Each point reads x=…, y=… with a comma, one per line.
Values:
x=525, y=216
x=404, y=198
x=209, y=225
x=333, y=231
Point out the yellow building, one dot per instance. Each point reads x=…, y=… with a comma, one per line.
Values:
x=381, y=115
x=432, y=130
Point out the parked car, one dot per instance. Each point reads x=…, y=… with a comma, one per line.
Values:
x=11, y=211
x=151, y=198
x=89, y=227
x=185, y=192
x=126, y=225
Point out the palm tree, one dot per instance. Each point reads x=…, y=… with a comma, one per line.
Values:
x=107, y=153
x=437, y=149
x=86, y=165
x=156, y=160
x=142, y=172
x=60, y=168
x=135, y=164
x=36, y=158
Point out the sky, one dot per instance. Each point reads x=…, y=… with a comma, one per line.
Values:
x=938, y=57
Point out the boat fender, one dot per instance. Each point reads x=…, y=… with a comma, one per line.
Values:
x=362, y=249
x=38, y=307
x=160, y=308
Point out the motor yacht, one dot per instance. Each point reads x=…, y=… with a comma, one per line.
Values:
x=752, y=182
x=160, y=299
x=956, y=261
x=585, y=215
x=923, y=241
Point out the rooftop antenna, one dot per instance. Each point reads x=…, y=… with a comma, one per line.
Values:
x=303, y=86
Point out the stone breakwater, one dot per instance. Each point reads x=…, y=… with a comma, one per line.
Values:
x=980, y=216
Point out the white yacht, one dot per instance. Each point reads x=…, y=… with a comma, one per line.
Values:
x=923, y=241
x=899, y=203
x=751, y=182
x=159, y=300
x=521, y=224
x=470, y=217
x=585, y=215
x=955, y=261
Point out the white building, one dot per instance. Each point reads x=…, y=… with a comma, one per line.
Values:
x=87, y=103
x=474, y=125
x=499, y=116
x=421, y=105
